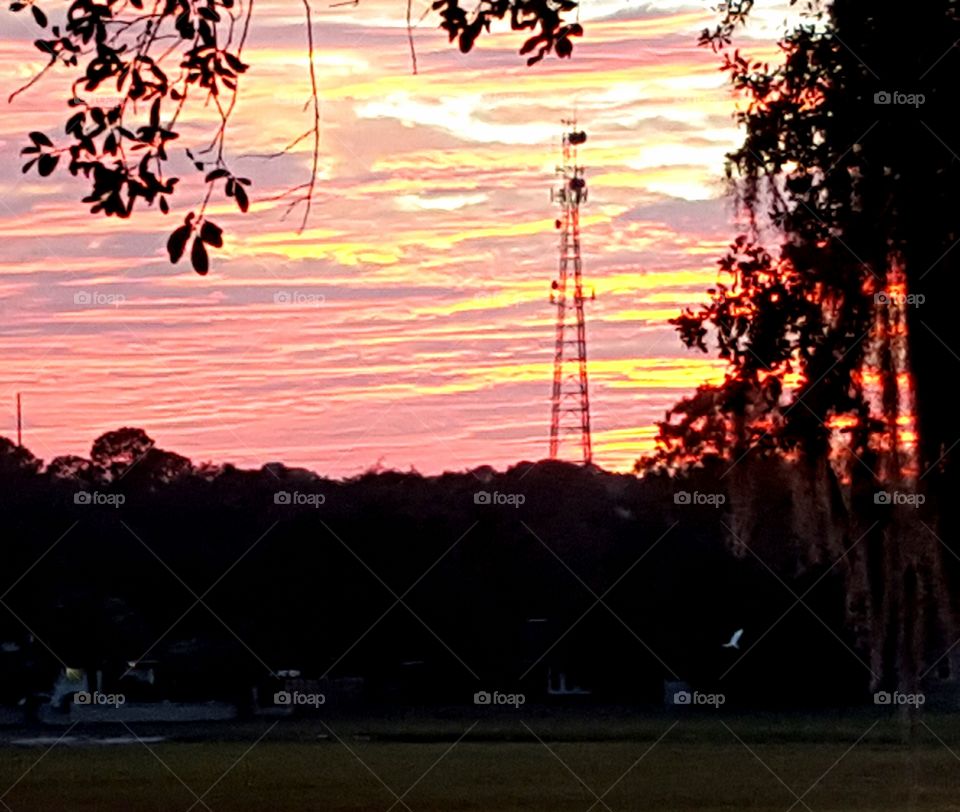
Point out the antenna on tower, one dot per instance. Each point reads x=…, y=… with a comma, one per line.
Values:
x=19, y=423
x=570, y=401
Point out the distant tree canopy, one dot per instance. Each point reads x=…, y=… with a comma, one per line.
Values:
x=135, y=68
x=103, y=560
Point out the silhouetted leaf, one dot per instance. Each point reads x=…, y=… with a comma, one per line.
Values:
x=199, y=258
x=211, y=234
x=177, y=243
x=39, y=16
x=234, y=63
x=40, y=139
x=529, y=45
x=74, y=124
x=47, y=164
x=184, y=26
x=242, y=200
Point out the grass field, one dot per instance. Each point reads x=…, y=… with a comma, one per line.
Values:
x=673, y=763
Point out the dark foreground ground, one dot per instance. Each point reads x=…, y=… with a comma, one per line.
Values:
x=503, y=762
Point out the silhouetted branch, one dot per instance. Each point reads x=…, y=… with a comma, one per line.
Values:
x=413, y=50
x=36, y=78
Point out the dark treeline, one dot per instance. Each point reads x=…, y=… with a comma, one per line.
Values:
x=102, y=560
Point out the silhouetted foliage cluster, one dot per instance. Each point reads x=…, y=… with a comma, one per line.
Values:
x=137, y=68
x=545, y=16
x=860, y=194
x=122, y=146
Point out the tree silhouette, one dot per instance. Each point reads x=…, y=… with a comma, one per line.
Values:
x=838, y=342
x=72, y=467
x=283, y=585
x=116, y=452
x=16, y=459
x=163, y=56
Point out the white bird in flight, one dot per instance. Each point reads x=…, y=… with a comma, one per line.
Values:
x=735, y=640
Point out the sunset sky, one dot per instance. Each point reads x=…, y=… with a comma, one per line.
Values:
x=409, y=324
